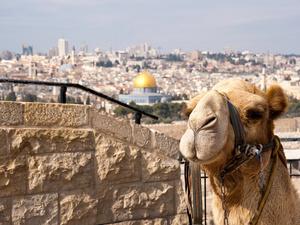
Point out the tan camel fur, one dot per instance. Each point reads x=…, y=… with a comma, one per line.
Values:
x=209, y=140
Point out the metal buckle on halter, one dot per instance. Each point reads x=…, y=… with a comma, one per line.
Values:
x=238, y=150
x=252, y=150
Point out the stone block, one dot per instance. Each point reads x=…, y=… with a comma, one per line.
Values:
x=158, y=167
x=49, y=115
x=4, y=145
x=181, y=206
x=141, y=136
x=119, y=128
x=166, y=145
x=11, y=113
x=116, y=161
x=180, y=219
x=135, y=201
x=55, y=172
x=35, y=210
x=13, y=174
x=35, y=141
x=5, y=211
x=157, y=221
x=77, y=208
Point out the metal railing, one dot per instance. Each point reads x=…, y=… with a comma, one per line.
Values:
x=63, y=94
x=204, y=177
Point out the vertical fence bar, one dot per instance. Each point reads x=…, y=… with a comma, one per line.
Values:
x=63, y=94
x=197, y=204
x=137, y=117
x=205, y=196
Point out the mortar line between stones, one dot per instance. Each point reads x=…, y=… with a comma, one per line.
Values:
x=137, y=219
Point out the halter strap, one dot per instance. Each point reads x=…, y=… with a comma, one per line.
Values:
x=236, y=125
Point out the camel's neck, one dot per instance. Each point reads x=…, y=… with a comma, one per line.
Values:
x=235, y=185
x=242, y=195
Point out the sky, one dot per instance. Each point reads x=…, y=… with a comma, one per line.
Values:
x=209, y=25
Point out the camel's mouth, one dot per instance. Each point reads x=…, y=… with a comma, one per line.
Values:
x=201, y=147
x=210, y=160
x=207, y=131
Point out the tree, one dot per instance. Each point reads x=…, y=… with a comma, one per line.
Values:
x=71, y=100
x=173, y=58
x=78, y=100
x=167, y=112
x=29, y=98
x=88, y=100
x=121, y=111
x=11, y=96
x=294, y=107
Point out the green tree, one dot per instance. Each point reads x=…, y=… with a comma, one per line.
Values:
x=71, y=100
x=88, y=100
x=78, y=100
x=294, y=107
x=11, y=96
x=29, y=98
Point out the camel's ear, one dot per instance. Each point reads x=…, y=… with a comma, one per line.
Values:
x=277, y=100
x=191, y=105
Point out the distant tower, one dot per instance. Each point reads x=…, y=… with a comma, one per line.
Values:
x=27, y=50
x=32, y=70
x=53, y=52
x=73, y=56
x=264, y=79
x=63, y=47
x=84, y=48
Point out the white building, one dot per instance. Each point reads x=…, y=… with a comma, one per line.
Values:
x=62, y=47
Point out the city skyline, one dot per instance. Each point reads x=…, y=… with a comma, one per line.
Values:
x=257, y=26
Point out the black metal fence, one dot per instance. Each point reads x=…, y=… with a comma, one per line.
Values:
x=63, y=94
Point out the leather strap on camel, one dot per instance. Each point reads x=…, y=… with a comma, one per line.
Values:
x=276, y=153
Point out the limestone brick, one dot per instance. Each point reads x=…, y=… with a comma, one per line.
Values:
x=56, y=172
x=116, y=161
x=181, y=206
x=35, y=210
x=135, y=201
x=4, y=146
x=158, y=167
x=5, y=211
x=13, y=173
x=35, y=141
x=11, y=113
x=169, y=146
x=77, y=208
x=49, y=115
x=119, y=128
x=141, y=136
x=158, y=221
x=180, y=219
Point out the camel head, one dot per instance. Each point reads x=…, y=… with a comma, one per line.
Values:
x=209, y=138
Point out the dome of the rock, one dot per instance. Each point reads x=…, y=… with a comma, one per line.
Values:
x=144, y=80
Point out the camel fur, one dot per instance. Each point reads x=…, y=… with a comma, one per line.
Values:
x=209, y=140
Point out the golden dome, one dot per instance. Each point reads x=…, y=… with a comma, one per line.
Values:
x=144, y=80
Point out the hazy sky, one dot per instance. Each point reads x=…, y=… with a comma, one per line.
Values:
x=255, y=25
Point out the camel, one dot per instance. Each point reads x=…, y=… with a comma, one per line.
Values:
x=210, y=141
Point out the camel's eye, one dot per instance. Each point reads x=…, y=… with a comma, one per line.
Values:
x=254, y=114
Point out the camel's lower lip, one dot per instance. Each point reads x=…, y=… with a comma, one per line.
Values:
x=195, y=159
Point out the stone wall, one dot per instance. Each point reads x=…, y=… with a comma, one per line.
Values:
x=72, y=165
